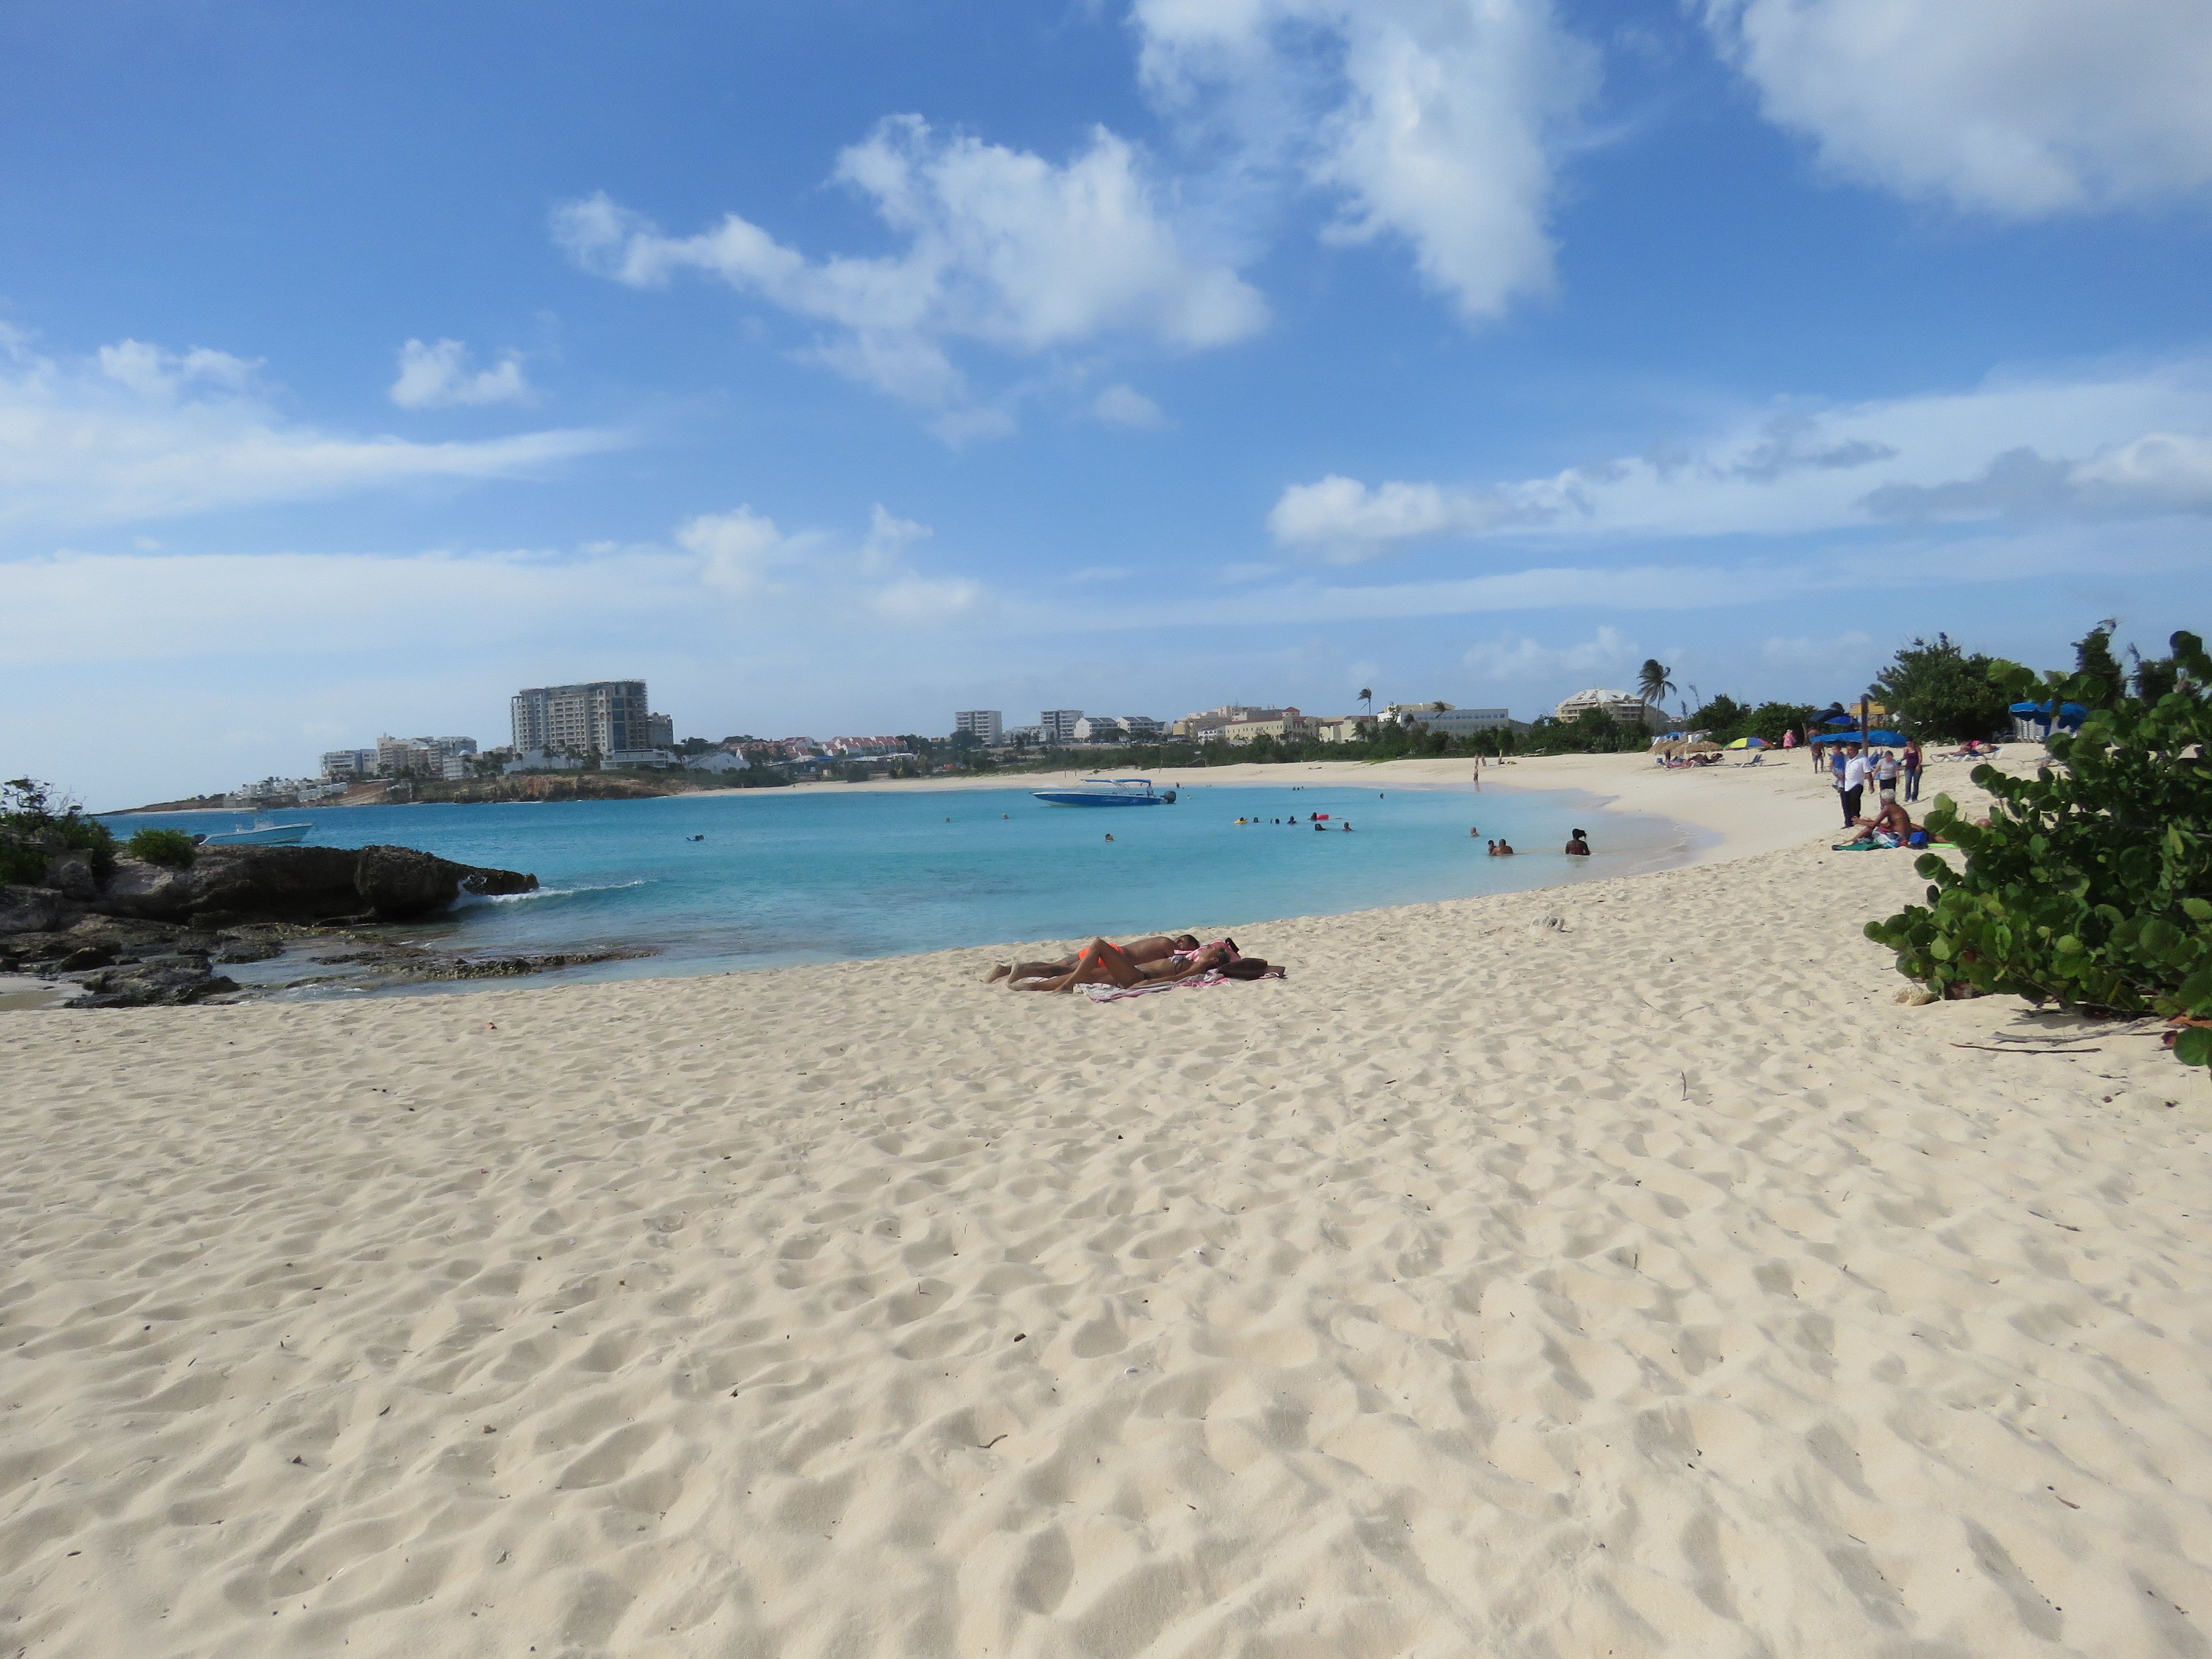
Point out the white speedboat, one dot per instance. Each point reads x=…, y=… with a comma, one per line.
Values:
x=1108, y=792
x=261, y=832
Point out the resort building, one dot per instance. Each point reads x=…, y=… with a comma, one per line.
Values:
x=1453, y=722
x=1026, y=737
x=984, y=725
x=1199, y=728
x=1116, y=728
x=1281, y=723
x=1059, y=724
x=659, y=732
x=718, y=760
x=602, y=715
x=1339, y=728
x=654, y=758
x=339, y=764
x=1624, y=706
x=450, y=759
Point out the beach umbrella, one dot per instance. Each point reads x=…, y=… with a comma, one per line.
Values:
x=1748, y=743
x=1885, y=740
x=2033, y=710
x=1840, y=719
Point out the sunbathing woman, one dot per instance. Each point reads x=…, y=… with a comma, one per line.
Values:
x=1102, y=961
x=1157, y=947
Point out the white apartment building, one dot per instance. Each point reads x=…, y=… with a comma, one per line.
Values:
x=1624, y=706
x=341, y=763
x=985, y=725
x=1059, y=724
x=1453, y=722
x=1032, y=736
x=603, y=714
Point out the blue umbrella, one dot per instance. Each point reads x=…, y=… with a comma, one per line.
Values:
x=1840, y=719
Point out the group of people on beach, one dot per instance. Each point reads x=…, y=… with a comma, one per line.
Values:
x=1577, y=845
x=1852, y=769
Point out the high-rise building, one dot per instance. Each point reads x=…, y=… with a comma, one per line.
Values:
x=1059, y=724
x=602, y=715
x=659, y=732
x=984, y=724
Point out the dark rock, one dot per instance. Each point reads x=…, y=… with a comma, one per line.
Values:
x=232, y=886
x=249, y=949
x=70, y=875
x=86, y=955
x=35, y=910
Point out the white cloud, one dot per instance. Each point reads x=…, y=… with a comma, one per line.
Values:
x=889, y=537
x=2016, y=107
x=999, y=247
x=138, y=433
x=927, y=598
x=1434, y=123
x=437, y=376
x=739, y=549
x=1349, y=519
x=1800, y=652
x=2134, y=444
x=1524, y=659
x=157, y=376
x=1124, y=405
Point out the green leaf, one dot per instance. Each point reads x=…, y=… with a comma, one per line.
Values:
x=2194, y=1046
x=2198, y=909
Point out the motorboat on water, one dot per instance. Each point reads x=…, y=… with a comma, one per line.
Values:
x=1108, y=792
x=261, y=832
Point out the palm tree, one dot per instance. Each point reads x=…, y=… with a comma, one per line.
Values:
x=1653, y=684
x=1367, y=697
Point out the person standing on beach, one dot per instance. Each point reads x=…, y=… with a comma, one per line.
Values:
x=1477, y=774
x=1885, y=776
x=1912, y=768
x=1853, y=783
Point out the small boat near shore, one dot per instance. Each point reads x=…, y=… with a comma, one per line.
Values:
x=261, y=832
x=1108, y=792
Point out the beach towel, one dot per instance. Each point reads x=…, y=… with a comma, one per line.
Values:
x=1212, y=976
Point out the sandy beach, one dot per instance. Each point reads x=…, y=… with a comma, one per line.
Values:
x=1623, y=1270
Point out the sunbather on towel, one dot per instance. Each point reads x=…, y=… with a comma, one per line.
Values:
x=1156, y=947
x=1102, y=961
x=1893, y=819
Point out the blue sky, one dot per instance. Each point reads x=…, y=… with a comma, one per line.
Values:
x=837, y=365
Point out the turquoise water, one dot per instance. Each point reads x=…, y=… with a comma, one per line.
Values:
x=788, y=876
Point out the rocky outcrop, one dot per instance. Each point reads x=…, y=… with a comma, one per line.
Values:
x=149, y=934
x=229, y=886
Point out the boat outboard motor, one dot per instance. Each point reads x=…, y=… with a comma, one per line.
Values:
x=1168, y=795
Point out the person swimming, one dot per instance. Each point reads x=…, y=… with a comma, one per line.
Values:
x=1577, y=846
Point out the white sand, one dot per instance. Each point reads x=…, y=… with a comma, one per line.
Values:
x=1651, y=1283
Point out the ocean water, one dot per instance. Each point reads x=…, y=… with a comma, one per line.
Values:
x=814, y=875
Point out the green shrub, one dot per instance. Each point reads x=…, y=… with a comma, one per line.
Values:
x=22, y=864
x=2091, y=884
x=36, y=826
x=172, y=847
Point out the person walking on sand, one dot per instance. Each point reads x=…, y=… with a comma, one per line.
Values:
x=1912, y=768
x=1477, y=774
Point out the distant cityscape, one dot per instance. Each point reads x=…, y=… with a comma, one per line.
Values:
x=611, y=726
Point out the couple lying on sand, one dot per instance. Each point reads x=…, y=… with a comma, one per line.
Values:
x=1140, y=962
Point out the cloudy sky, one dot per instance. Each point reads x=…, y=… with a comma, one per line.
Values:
x=834, y=364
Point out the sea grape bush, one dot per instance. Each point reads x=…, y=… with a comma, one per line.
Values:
x=172, y=847
x=2090, y=886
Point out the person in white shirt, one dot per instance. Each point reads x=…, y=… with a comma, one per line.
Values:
x=1885, y=774
x=1854, y=782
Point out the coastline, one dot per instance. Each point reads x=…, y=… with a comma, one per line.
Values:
x=1620, y=1266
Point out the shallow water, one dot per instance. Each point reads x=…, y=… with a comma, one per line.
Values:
x=813, y=875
